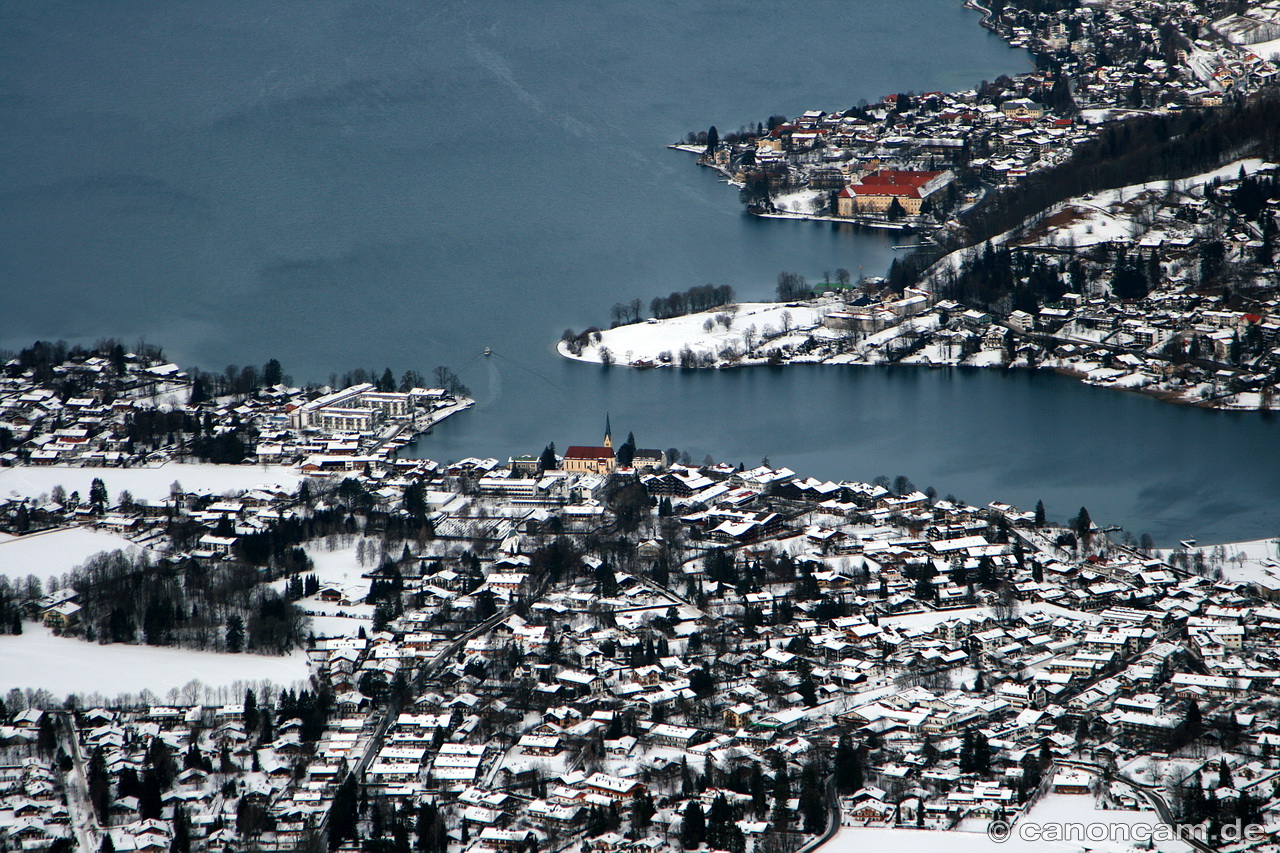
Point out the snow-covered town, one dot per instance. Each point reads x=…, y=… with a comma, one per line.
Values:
x=612, y=649
x=108, y=406
x=237, y=616
x=914, y=161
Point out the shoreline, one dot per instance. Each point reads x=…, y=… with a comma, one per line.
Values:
x=861, y=222
x=779, y=334
x=1091, y=333
x=423, y=424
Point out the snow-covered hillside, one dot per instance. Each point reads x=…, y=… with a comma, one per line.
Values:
x=1106, y=216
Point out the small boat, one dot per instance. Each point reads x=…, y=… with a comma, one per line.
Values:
x=488, y=351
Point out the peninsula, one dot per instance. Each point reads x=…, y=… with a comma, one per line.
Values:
x=1112, y=215
x=1105, y=288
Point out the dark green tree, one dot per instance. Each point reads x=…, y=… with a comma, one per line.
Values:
x=343, y=813
x=181, y=832
x=1082, y=523
x=199, y=394
x=99, y=783
x=781, y=816
x=693, y=827
x=547, y=461
x=98, y=495
x=813, y=805
x=235, y=633
x=272, y=373
x=759, y=802
x=626, y=452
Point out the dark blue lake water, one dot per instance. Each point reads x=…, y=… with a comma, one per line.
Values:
x=401, y=184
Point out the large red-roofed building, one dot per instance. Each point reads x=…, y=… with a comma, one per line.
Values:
x=875, y=192
x=592, y=460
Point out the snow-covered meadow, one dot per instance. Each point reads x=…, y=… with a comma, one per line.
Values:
x=39, y=659
x=749, y=333
x=1245, y=562
x=715, y=332
x=1103, y=217
x=56, y=552
x=1265, y=49
x=151, y=485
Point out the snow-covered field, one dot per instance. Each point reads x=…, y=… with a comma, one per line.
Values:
x=147, y=484
x=341, y=565
x=801, y=201
x=652, y=340
x=1068, y=808
x=339, y=626
x=770, y=326
x=1107, y=215
x=38, y=659
x=849, y=839
x=56, y=552
x=1265, y=49
x=1246, y=562
x=1102, y=116
x=935, y=617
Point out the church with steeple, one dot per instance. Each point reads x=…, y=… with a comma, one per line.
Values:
x=593, y=460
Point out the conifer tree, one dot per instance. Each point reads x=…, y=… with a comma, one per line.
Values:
x=1192, y=724
x=756, y=785
x=693, y=828
x=781, y=817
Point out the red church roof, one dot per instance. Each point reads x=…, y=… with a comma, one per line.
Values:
x=582, y=452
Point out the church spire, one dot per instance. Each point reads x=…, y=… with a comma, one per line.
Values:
x=608, y=431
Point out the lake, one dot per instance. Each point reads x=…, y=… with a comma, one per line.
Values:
x=402, y=184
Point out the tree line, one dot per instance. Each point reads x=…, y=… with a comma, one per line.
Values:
x=223, y=606
x=695, y=299
x=235, y=380
x=677, y=304
x=382, y=826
